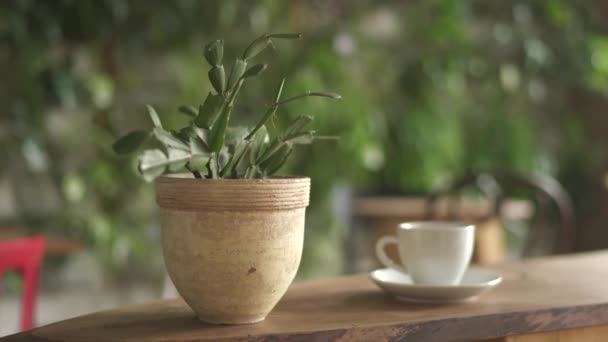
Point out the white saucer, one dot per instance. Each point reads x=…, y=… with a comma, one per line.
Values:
x=474, y=283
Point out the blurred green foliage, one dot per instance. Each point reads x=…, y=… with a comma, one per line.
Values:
x=430, y=89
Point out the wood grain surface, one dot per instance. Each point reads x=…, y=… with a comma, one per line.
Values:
x=538, y=295
x=415, y=208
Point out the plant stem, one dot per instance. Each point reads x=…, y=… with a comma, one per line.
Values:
x=196, y=173
x=273, y=108
x=269, y=112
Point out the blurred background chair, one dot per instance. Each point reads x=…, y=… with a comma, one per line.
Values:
x=24, y=256
x=375, y=216
x=549, y=230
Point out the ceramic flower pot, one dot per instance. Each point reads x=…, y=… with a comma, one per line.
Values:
x=232, y=246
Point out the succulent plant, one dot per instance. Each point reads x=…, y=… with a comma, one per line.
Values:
x=208, y=147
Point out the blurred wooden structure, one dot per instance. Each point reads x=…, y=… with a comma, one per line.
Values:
x=385, y=213
x=55, y=246
x=546, y=204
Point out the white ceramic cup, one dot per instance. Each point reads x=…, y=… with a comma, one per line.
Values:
x=432, y=253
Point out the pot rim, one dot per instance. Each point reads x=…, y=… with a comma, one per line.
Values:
x=186, y=176
x=184, y=192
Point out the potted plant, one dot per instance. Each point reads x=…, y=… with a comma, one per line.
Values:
x=232, y=234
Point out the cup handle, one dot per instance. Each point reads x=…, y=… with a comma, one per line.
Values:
x=381, y=254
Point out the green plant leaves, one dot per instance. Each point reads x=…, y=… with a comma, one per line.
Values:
x=302, y=138
x=255, y=70
x=269, y=112
x=238, y=69
x=188, y=110
x=325, y=94
x=218, y=78
x=152, y=164
x=214, y=51
x=208, y=110
x=279, y=91
x=154, y=116
x=199, y=153
x=310, y=93
x=169, y=140
x=177, y=159
x=235, y=135
x=259, y=44
x=256, y=47
x=130, y=142
x=298, y=124
x=259, y=141
x=239, y=151
x=276, y=160
x=212, y=166
x=207, y=143
x=271, y=149
x=285, y=35
x=218, y=131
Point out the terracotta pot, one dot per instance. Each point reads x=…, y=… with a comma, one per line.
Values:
x=232, y=247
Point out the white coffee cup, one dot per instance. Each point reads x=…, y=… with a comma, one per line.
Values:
x=432, y=253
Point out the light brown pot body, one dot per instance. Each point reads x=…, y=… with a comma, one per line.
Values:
x=232, y=247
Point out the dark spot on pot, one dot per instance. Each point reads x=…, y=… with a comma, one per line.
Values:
x=251, y=270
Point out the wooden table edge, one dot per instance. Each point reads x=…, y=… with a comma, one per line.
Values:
x=473, y=328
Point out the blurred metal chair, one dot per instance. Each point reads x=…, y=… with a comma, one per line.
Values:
x=24, y=256
x=553, y=210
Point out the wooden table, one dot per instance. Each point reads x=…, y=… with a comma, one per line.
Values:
x=548, y=299
x=55, y=246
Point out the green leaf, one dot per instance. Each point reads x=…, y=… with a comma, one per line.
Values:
x=208, y=110
x=252, y=172
x=218, y=131
x=152, y=164
x=259, y=44
x=235, y=135
x=238, y=69
x=154, y=116
x=285, y=35
x=256, y=47
x=302, y=138
x=274, y=146
x=327, y=137
x=248, y=172
x=269, y=112
x=188, y=110
x=260, y=140
x=214, y=51
x=272, y=169
x=198, y=146
x=236, y=156
x=177, y=159
x=185, y=133
x=309, y=93
x=212, y=166
x=255, y=70
x=203, y=135
x=169, y=140
x=276, y=159
x=298, y=124
x=131, y=142
x=325, y=94
x=218, y=78
x=199, y=153
x=277, y=95
x=242, y=162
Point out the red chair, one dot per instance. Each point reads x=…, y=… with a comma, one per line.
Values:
x=24, y=256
